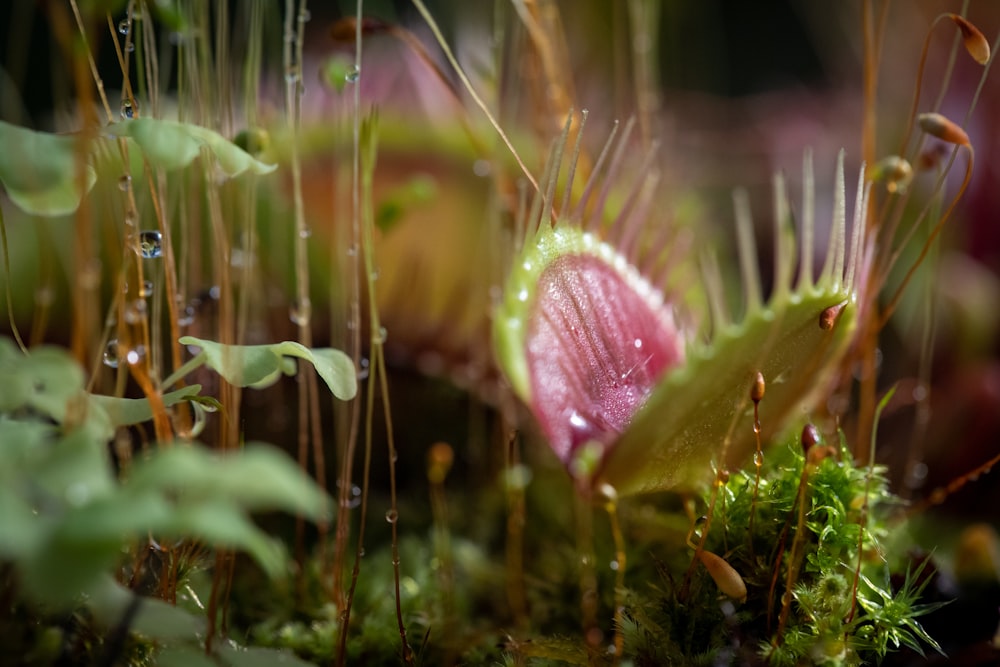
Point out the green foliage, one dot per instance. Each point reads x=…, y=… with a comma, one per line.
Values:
x=67, y=520
x=60, y=170
x=172, y=145
x=826, y=622
x=53, y=180
x=261, y=366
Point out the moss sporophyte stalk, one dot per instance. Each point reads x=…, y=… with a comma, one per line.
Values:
x=543, y=389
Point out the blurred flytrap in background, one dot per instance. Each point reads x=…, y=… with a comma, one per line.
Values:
x=658, y=333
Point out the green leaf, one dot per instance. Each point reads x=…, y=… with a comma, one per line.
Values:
x=238, y=656
x=183, y=656
x=44, y=380
x=126, y=411
x=257, y=477
x=44, y=174
x=260, y=366
x=109, y=601
x=687, y=420
x=171, y=145
x=221, y=522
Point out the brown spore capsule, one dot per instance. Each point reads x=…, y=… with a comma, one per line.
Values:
x=439, y=460
x=973, y=39
x=939, y=126
x=758, y=388
x=828, y=318
x=725, y=576
x=810, y=437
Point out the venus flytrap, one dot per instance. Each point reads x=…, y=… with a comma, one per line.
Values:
x=626, y=391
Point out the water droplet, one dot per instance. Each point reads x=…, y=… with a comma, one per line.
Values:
x=523, y=294
x=292, y=74
x=44, y=296
x=614, y=565
x=758, y=458
x=363, y=369
x=352, y=250
x=186, y=318
x=111, y=353
x=135, y=355
x=77, y=494
x=124, y=26
x=124, y=183
x=301, y=312
x=305, y=233
x=89, y=276
x=482, y=168
x=353, y=75
x=128, y=109
x=380, y=336
x=146, y=290
x=130, y=47
x=916, y=476
x=135, y=311
x=304, y=16
x=373, y=276
x=150, y=244
x=391, y=516
x=638, y=343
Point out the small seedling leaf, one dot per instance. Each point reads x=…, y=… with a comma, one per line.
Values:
x=42, y=172
x=172, y=145
x=257, y=477
x=260, y=366
x=109, y=601
x=126, y=411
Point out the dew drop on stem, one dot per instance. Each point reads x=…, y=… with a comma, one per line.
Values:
x=300, y=312
x=353, y=75
x=186, y=318
x=128, y=109
x=125, y=182
x=146, y=290
x=124, y=26
x=150, y=244
x=135, y=355
x=111, y=353
x=391, y=516
x=135, y=311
